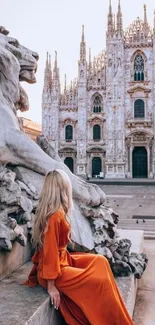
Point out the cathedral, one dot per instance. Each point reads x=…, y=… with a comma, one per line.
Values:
x=103, y=123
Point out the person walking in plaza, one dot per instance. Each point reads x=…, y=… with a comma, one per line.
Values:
x=80, y=284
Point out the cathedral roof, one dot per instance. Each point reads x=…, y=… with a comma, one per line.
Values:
x=139, y=33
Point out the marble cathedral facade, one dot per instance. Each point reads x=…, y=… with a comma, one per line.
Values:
x=104, y=122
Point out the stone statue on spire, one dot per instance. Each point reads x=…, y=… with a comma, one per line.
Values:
x=82, y=46
x=154, y=24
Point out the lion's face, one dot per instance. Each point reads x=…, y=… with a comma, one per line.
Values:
x=27, y=59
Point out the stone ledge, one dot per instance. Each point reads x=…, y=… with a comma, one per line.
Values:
x=21, y=305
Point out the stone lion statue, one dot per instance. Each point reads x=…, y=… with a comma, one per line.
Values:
x=17, y=63
x=23, y=164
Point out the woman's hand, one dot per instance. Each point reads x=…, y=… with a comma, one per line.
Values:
x=55, y=297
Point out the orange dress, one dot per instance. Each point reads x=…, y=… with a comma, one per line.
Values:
x=89, y=295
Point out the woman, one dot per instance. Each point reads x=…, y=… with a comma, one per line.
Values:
x=82, y=285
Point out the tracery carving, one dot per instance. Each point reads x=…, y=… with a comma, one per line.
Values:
x=96, y=72
x=97, y=103
x=139, y=137
x=139, y=68
x=68, y=121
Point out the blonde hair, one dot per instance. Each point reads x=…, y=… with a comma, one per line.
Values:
x=56, y=194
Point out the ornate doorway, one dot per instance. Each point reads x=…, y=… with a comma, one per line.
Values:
x=70, y=163
x=139, y=162
x=96, y=166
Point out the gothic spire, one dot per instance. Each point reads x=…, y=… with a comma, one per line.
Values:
x=47, y=60
x=145, y=15
x=114, y=24
x=154, y=24
x=50, y=71
x=145, y=22
x=55, y=62
x=90, y=64
x=65, y=84
x=82, y=46
x=47, y=74
x=119, y=19
x=110, y=21
x=56, y=77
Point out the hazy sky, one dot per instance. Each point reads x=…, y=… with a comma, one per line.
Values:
x=49, y=25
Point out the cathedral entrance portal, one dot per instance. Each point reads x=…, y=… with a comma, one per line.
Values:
x=139, y=162
x=96, y=166
x=70, y=163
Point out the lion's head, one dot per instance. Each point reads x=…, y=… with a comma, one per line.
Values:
x=17, y=63
x=26, y=58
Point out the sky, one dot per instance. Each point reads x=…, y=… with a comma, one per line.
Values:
x=49, y=25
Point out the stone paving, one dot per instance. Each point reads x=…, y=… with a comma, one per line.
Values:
x=131, y=200
x=145, y=302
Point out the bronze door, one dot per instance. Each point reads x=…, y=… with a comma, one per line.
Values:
x=139, y=163
x=96, y=166
x=70, y=163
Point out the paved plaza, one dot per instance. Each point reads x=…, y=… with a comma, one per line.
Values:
x=128, y=200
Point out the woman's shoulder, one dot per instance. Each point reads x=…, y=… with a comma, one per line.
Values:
x=56, y=216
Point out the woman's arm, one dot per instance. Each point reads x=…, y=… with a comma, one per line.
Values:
x=51, y=265
x=54, y=293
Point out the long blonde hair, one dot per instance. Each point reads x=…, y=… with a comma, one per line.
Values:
x=56, y=193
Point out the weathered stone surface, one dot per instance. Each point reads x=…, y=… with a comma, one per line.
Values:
x=11, y=261
x=31, y=179
x=10, y=231
x=81, y=229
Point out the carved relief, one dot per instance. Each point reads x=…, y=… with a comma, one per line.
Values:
x=139, y=138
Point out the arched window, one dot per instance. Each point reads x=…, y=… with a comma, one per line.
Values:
x=97, y=104
x=69, y=133
x=70, y=163
x=139, y=68
x=96, y=132
x=139, y=109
